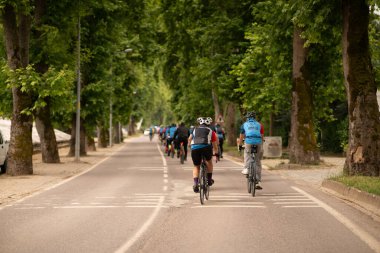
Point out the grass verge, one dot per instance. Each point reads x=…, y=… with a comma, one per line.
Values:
x=367, y=184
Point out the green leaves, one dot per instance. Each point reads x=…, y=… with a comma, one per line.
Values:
x=54, y=84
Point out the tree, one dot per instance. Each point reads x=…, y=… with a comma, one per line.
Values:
x=363, y=154
x=303, y=144
x=17, y=21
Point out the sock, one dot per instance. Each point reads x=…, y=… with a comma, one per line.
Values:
x=195, y=180
x=209, y=176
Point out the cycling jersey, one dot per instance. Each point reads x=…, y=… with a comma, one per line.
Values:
x=219, y=131
x=253, y=131
x=170, y=131
x=202, y=137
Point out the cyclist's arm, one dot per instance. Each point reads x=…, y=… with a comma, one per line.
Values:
x=215, y=142
x=242, y=135
x=189, y=140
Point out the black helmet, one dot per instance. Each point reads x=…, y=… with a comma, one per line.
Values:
x=251, y=114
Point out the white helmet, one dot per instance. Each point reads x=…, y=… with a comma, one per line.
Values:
x=204, y=120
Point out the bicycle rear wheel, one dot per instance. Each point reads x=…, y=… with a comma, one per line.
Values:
x=253, y=179
x=202, y=184
x=182, y=154
x=249, y=183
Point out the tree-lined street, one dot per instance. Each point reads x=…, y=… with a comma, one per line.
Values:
x=139, y=200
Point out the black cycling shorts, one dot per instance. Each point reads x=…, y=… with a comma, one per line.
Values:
x=196, y=155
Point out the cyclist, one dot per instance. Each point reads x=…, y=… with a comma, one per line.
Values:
x=151, y=132
x=169, y=136
x=221, y=136
x=183, y=134
x=203, y=142
x=253, y=133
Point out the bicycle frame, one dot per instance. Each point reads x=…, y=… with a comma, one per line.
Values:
x=204, y=188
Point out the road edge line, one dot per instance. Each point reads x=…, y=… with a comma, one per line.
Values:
x=363, y=235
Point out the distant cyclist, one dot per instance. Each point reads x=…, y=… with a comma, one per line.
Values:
x=169, y=136
x=253, y=133
x=221, y=136
x=151, y=132
x=182, y=133
x=203, y=143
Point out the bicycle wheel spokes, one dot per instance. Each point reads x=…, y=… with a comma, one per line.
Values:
x=201, y=185
x=254, y=181
x=182, y=154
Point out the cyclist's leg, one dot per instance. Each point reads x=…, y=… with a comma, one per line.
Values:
x=247, y=158
x=197, y=159
x=221, y=147
x=207, y=152
x=259, y=156
x=185, y=143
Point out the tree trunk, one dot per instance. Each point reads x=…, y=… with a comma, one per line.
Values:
x=82, y=149
x=363, y=154
x=91, y=144
x=49, y=147
x=303, y=144
x=102, y=137
x=230, y=124
x=45, y=129
x=116, y=130
x=17, y=46
x=131, y=126
x=271, y=119
x=215, y=100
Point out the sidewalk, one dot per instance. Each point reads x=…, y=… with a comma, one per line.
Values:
x=49, y=174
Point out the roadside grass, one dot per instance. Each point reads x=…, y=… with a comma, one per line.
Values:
x=366, y=184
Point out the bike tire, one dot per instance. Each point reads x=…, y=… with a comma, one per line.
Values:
x=249, y=184
x=182, y=155
x=254, y=181
x=201, y=186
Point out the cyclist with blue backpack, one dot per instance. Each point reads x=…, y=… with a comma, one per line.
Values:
x=169, y=137
x=221, y=136
x=253, y=133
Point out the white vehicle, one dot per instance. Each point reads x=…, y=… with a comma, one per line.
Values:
x=4, y=145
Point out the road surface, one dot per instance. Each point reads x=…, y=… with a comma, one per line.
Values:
x=139, y=200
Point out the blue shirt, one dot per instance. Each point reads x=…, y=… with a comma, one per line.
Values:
x=251, y=129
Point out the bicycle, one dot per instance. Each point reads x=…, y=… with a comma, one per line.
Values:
x=252, y=172
x=203, y=185
x=204, y=188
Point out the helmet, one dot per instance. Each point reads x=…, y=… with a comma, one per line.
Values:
x=251, y=115
x=204, y=120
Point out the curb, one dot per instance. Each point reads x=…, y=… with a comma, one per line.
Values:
x=370, y=202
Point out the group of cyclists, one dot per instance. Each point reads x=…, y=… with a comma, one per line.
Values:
x=207, y=139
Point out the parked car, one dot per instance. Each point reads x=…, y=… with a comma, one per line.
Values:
x=4, y=145
x=146, y=132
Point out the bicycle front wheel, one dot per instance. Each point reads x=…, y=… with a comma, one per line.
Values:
x=202, y=184
x=182, y=154
x=253, y=179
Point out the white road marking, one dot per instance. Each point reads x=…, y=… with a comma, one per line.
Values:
x=150, y=220
x=227, y=206
x=142, y=230
x=363, y=235
x=290, y=203
x=300, y=206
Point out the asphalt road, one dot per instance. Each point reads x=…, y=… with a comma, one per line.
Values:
x=139, y=200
